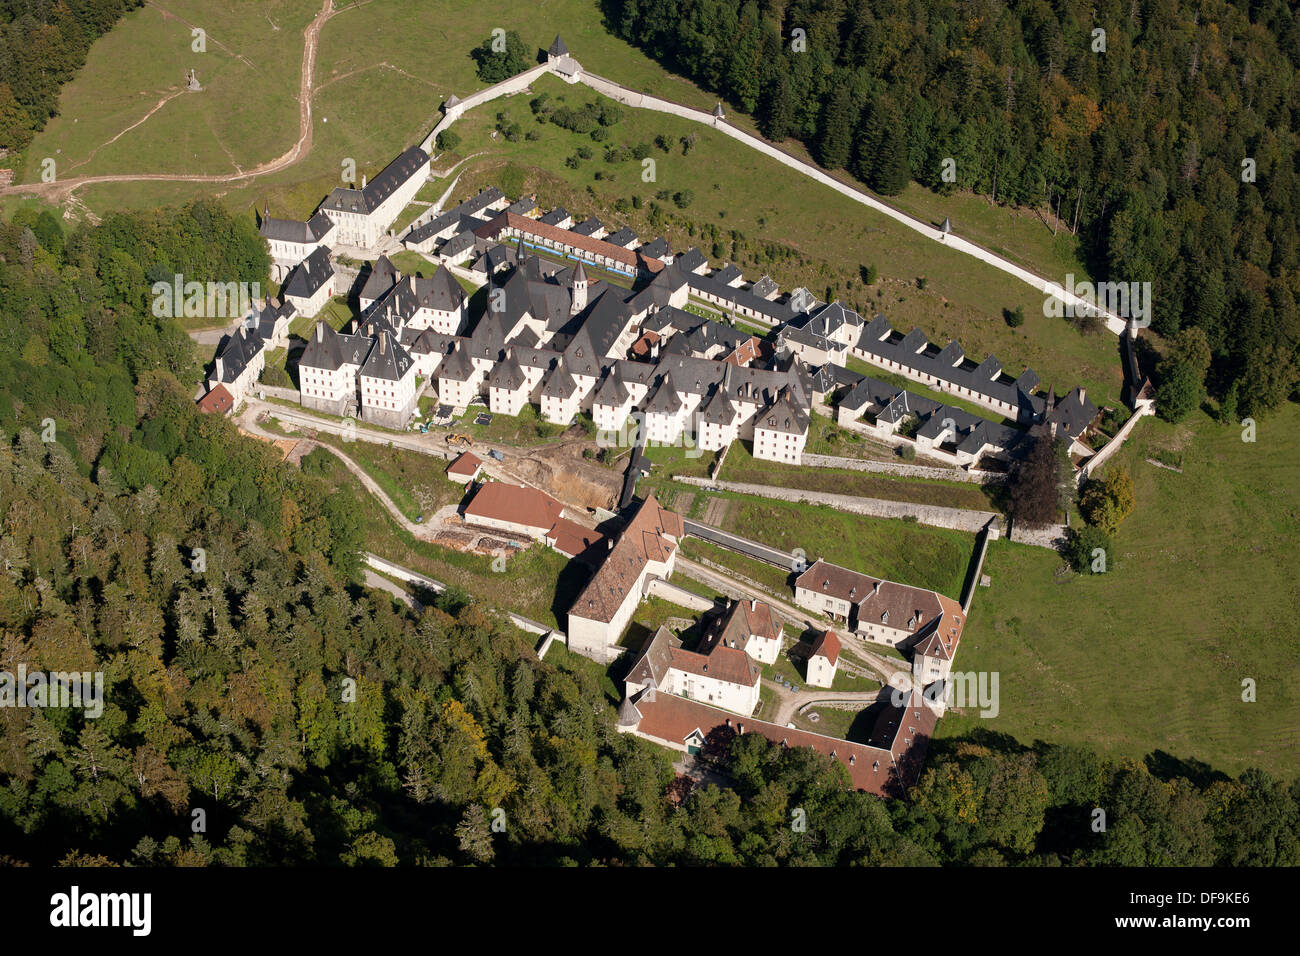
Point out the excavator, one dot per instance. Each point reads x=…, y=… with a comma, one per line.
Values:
x=456, y=438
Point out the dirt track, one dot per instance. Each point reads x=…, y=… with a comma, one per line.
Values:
x=59, y=190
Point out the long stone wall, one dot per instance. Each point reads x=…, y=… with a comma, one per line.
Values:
x=1114, y=445
x=677, y=595
x=959, y=519
x=973, y=476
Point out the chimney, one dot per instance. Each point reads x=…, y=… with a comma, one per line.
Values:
x=1083, y=394
x=320, y=331
x=220, y=367
x=383, y=342
x=753, y=604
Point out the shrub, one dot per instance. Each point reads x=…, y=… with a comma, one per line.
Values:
x=448, y=140
x=1080, y=547
x=1107, y=501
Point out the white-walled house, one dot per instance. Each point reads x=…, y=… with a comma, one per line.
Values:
x=387, y=382
x=311, y=283
x=781, y=431
x=751, y=626
x=291, y=241
x=646, y=548
x=823, y=660
x=328, y=367
x=238, y=364
x=720, y=675
x=362, y=216
x=271, y=322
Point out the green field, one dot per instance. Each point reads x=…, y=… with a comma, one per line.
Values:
x=1199, y=595
x=902, y=551
x=543, y=582
x=417, y=484
x=744, y=467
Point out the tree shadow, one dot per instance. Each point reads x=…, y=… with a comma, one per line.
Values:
x=568, y=586
x=1165, y=766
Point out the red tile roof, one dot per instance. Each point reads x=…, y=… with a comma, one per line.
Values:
x=651, y=535
x=942, y=642
x=219, y=401
x=517, y=504
x=572, y=539
x=596, y=247
x=467, y=463
x=828, y=646
x=746, y=618
x=729, y=664
x=871, y=768
x=878, y=601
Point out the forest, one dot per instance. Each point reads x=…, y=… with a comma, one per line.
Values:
x=42, y=44
x=249, y=675
x=1166, y=144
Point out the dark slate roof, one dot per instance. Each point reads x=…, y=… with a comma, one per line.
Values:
x=309, y=275
x=457, y=367
x=665, y=400
x=383, y=276
x=784, y=415
x=522, y=207
x=1072, y=413
x=655, y=249
x=559, y=384
x=624, y=237
x=264, y=319
x=440, y=292
x=728, y=274
x=426, y=341
x=691, y=259
x=481, y=200
x=718, y=409
x=488, y=338
x=587, y=227
x=507, y=374
x=240, y=349
x=392, y=176
x=891, y=404
x=555, y=216
x=457, y=244
x=291, y=230
x=557, y=47
x=775, y=312
x=612, y=390
x=387, y=360
x=497, y=257
x=331, y=350
x=984, y=379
